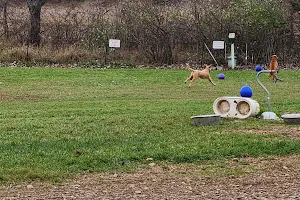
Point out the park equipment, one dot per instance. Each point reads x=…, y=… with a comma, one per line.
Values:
x=236, y=107
x=201, y=120
x=269, y=114
x=291, y=118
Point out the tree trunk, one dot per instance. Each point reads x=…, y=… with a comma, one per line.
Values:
x=5, y=24
x=35, y=7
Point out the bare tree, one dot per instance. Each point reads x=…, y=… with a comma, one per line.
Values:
x=5, y=23
x=294, y=9
x=35, y=7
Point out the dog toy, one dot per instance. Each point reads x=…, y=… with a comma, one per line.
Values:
x=258, y=68
x=221, y=76
x=246, y=91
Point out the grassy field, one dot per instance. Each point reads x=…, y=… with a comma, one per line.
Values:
x=116, y=118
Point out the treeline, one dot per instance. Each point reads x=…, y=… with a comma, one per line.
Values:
x=160, y=32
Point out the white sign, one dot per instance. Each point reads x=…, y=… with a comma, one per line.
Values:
x=113, y=43
x=218, y=45
x=231, y=35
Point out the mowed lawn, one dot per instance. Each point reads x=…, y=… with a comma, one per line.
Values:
x=55, y=123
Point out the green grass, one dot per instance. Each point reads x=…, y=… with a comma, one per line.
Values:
x=116, y=118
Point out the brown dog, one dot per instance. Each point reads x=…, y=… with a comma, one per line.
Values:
x=274, y=66
x=204, y=74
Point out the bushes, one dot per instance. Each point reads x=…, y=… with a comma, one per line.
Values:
x=155, y=32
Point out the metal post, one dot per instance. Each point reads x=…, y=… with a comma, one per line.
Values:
x=232, y=55
x=225, y=53
x=267, y=91
x=231, y=37
x=246, y=58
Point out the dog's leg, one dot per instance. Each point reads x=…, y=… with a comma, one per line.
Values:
x=210, y=80
x=192, y=78
x=189, y=78
x=276, y=78
x=192, y=81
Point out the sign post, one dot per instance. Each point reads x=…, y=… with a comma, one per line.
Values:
x=231, y=37
x=112, y=43
x=220, y=45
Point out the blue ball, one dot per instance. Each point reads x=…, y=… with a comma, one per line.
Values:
x=258, y=68
x=246, y=91
x=221, y=76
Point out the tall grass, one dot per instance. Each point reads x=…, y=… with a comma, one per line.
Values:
x=58, y=122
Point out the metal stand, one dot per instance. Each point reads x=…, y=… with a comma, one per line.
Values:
x=269, y=114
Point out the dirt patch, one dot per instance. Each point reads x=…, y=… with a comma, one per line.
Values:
x=274, y=178
x=292, y=132
x=25, y=98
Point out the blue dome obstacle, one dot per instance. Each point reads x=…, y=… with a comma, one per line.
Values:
x=258, y=68
x=246, y=91
x=221, y=76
